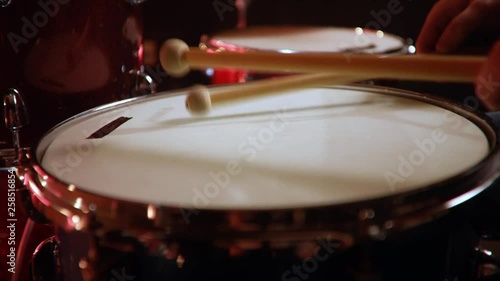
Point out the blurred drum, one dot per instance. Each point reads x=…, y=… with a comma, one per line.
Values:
x=65, y=57
x=60, y=57
x=293, y=39
x=281, y=188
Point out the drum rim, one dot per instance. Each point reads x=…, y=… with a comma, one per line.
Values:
x=71, y=208
x=206, y=39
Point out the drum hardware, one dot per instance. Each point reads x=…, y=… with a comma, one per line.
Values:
x=15, y=117
x=144, y=84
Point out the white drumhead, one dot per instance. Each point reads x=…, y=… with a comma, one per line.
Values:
x=306, y=148
x=310, y=39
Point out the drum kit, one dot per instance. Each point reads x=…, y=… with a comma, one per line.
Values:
x=289, y=167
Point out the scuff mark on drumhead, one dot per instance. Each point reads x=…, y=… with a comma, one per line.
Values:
x=108, y=128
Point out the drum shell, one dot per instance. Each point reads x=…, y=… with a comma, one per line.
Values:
x=440, y=250
x=66, y=57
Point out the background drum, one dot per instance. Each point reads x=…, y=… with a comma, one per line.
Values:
x=277, y=189
x=294, y=39
x=68, y=56
x=63, y=57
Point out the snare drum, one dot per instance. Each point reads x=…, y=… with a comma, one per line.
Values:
x=281, y=188
x=294, y=39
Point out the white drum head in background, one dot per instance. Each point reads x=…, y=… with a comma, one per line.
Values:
x=313, y=147
x=291, y=39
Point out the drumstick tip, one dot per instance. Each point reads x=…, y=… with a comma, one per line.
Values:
x=172, y=57
x=198, y=100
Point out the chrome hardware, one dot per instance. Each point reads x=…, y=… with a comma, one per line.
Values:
x=46, y=263
x=144, y=84
x=15, y=117
x=15, y=114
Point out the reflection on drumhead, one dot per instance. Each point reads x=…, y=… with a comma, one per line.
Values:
x=306, y=148
x=310, y=39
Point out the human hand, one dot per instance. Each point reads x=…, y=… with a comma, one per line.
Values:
x=451, y=22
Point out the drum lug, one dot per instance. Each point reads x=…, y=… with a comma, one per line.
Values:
x=144, y=84
x=46, y=263
x=15, y=118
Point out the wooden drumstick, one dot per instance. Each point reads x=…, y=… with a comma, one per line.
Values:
x=200, y=100
x=177, y=59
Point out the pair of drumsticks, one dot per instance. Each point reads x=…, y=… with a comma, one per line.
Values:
x=177, y=59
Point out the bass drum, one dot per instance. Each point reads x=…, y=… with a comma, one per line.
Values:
x=348, y=183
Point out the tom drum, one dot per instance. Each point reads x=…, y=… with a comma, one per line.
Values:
x=293, y=39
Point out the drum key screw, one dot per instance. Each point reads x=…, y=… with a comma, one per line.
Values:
x=366, y=214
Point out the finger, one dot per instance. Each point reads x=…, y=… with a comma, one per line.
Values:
x=438, y=19
x=488, y=80
x=463, y=25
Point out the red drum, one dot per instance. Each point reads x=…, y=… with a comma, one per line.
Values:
x=294, y=39
x=61, y=57
x=66, y=56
